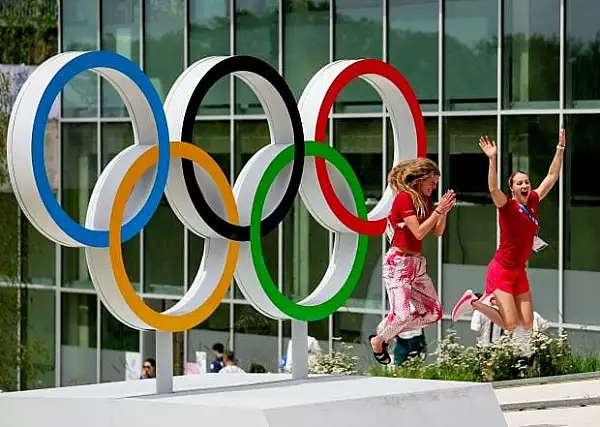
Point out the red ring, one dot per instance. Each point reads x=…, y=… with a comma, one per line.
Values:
x=362, y=67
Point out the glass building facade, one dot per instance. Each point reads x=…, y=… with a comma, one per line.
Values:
x=511, y=69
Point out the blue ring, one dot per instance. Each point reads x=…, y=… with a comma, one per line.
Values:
x=84, y=62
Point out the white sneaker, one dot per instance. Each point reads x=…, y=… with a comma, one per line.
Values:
x=463, y=306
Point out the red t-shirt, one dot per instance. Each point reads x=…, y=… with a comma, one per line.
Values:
x=403, y=207
x=517, y=231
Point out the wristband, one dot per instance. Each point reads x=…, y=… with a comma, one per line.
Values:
x=560, y=147
x=435, y=210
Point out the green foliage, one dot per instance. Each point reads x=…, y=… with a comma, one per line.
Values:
x=29, y=31
x=505, y=359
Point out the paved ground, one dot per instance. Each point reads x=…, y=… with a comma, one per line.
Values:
x=568, y=393
x=567, y=417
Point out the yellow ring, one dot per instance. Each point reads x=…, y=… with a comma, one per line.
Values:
x=157, y=320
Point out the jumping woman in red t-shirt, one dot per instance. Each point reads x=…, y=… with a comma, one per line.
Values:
x=412, y=295
x=518, y=218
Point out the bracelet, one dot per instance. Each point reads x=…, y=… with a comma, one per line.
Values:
x=435, y=210
x=560, y=147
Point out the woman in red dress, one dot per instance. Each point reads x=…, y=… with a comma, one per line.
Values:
x=519, y=226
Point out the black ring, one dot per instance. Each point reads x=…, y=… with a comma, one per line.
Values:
x=261, y=68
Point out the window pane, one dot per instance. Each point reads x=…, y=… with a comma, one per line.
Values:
x=79, y=30
x=209, y=36
x=213, y=137
x=79, y=174
x=202, y=337
x=306, y=41
x=120, y=34
x=38, y=261
x=528, y=144
x=582, y=65
x=430, y=243
x=255, y=338
x=582, y=221
x=584, y=342
x=38, y=337
x=531, y=53
x=163, y=248
x=149, y=338
x=251, y=136
x=120, y=347
x=413, y=46
x=470, y=46
x=358, y=34
x=78, y=339
x=470, y=237
x=9, y=244
x=353, y=329
x=360, y=141
x=163, y=48
x=115, y=138
x=9, y=324
x=256, y=34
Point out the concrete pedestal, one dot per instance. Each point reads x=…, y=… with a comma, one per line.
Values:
x=258, y=400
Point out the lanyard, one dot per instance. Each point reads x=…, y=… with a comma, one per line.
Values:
x=526, y=212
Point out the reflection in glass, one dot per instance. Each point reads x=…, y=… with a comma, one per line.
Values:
x=212, y=137
x=306, y=41
x=79, y=173
x=470, y=46
x=528, y=144
x=202, y=337
x=361, y=143
x=79, y=32
x=9, y=244
x=163, y=246
x=37, y=311
x=120, y=34
x=358, y=33
x=78, y=339
x=115, y=138
x=430, y=243
x=353, y=329
x=251, y=136
x=413, y=46
x=255, y=338
x=9, y=327
x=470, y=237
x=582, y=220
x=163, y=44
x=38, y=262
x=531, y=53
x=117, y=341
x=209, y=35
x=582, y=64
x=256, y=34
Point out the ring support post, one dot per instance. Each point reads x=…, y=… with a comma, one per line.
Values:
x=164, y=362
x=299, y=349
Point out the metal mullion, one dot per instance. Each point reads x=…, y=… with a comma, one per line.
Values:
x=440, y=246
x=561, y=184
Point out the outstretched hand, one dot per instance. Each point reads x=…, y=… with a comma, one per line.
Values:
x=562, y=137
x=489, y=148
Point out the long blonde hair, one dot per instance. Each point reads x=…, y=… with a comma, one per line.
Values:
x=408, y=176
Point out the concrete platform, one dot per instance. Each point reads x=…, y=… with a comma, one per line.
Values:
x=258, y=400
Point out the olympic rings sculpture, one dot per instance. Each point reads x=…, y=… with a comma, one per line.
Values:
x=231, y=220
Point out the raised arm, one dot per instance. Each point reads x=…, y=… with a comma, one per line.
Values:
x=490, y=150
x=554, y=171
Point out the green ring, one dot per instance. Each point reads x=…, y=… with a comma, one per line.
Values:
x=290, y=308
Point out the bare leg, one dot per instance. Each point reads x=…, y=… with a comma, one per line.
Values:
x=507, y=309
x=490, y=312
x=524, y=306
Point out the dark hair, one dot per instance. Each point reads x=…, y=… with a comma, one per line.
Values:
x=219, y=348
x=151, y=361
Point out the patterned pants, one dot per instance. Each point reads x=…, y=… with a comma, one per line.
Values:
x=413, y=299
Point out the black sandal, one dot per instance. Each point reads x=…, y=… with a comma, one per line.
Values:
x=383, y=357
